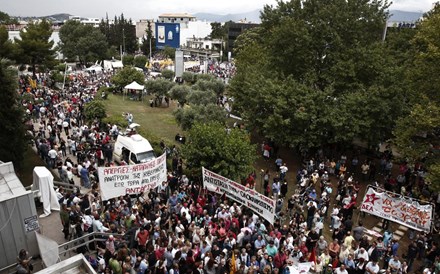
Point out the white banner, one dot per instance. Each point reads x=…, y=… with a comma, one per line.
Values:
x=132, y=179
x=399, y=209
x=161, y=34
x=256, y=201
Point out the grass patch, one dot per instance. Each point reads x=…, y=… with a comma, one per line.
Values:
x=157, y=123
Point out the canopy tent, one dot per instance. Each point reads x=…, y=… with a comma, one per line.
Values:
x=134, y=86
x=43, y=183
x=95, y=68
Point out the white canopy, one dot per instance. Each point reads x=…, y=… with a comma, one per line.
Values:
x=134, y=85
x=43, y=182
x=96, y=68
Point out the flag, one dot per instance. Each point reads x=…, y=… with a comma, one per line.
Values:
x=233, y=270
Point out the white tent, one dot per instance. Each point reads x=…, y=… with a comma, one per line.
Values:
x=43, y=182
x=134, y=86
x=96, y=68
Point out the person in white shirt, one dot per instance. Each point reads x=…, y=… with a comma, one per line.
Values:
x=361, y=253
x=394, y=264
x=372, y=268
x=341, y=270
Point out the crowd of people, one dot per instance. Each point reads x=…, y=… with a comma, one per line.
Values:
x=181, y=228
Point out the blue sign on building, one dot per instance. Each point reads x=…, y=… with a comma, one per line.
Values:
x=167, y=34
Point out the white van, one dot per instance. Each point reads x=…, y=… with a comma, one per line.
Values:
x=133, y=149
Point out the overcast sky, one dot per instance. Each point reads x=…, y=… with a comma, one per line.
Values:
x=141, y=9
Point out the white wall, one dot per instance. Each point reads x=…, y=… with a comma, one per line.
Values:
x=198, y=29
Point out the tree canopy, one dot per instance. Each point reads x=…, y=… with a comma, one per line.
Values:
x=81, y=41
x=226, y=152
x=319, y=72
x=34, y=46
x=12, y=135
x=121, y=33
x=126, y=76
x=160, y=87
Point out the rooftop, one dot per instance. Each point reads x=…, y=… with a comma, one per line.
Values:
x=10, y=185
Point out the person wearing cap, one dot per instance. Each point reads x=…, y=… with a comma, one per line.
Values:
x=361, y=253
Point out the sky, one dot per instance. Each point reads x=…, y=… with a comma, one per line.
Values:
x=148, y=9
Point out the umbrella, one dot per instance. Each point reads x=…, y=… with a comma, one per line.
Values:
x=133, y=125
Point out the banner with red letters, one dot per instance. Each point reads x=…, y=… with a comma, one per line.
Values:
x=399, y=209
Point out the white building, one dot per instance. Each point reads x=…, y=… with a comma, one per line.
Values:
x=182, y=18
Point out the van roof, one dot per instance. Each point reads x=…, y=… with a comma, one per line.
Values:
x=136, y=143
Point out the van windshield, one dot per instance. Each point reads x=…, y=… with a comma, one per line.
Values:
x=145, y=156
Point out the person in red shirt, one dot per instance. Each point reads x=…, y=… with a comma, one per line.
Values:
x=142, y=239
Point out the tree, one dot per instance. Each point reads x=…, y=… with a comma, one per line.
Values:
x=122, y=33
x=128, y=60
x=148, y=40
x=226, y=152
x=180, y=93
x=126, y=76
x=140, y=61
x=34, y=47
x=6, y=47
x=189, y=77
x=218, y=31
x=189, y=115
x=167, y=74
x=201, y=97
x=82, y=41
x=169, y=52
x=160, y=87
x=5, y=19
x=299, y=71
x=94, y=110
x=12, y=135
x=215, y=85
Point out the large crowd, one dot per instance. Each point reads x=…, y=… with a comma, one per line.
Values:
x=181, y=228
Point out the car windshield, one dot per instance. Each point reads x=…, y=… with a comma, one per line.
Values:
x=145, y=156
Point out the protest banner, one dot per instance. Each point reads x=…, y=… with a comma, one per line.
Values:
x=399, y=209
x=262, y=205
x=132, y=179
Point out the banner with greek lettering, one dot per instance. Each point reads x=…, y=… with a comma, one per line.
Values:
x=132, y=179
x=254, y=200
x=399, y=209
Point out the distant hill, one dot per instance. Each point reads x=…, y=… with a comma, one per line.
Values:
x=254, y=16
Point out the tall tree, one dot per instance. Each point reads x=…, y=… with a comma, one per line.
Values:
x=148, y=41
x=6, y=47
x=34, y=46
x=82, y=41
x=307, y=73
x=122, y=33
x=227, y=152
x=12, y=135
x=5, y=19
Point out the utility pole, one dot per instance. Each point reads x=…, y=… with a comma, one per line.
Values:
x=123, y=38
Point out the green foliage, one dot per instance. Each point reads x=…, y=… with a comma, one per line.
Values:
x=201, y=97
x=81, y=41
x=207, y=77
x=6, y=47
x=319, y=73
x=121, y=32
x=140, y=61
x=57, y=76
x=180, y=93
x=189, y=77
x=218, y=31
x=34, y=47
x=118, y=120
x=128, y=60
x=5, y=19
x=187, y=116
x=12, y=135
x=94, y=110
x=126, y=76
x=215, y=85
x=169, y=52
x=60, y=67
x=145, y=45
x=211, y=146
x=159, y=87
x=167, y=74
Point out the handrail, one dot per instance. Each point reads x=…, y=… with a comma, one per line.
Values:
x=72, y=245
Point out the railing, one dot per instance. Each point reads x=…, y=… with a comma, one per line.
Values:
x=66, y=248
x=65, y=185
